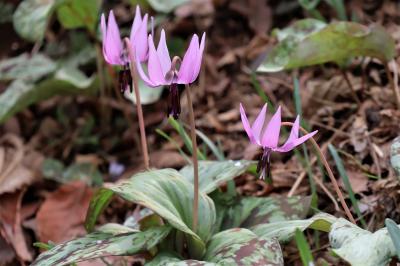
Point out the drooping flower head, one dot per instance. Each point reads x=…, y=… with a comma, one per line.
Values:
x=114, y=51
x=266, y=135
x=163, y=71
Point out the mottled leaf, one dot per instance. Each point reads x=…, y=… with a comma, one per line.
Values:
x=21, y=94
x=214, y=173
x=285, y=230
x=169, y=195
x=26, y=67
x=309, y=42
x=394, y=232
x=30, y=18
x=166, y=6
x=240, y=246
x=251, y=211
x=395, y=155
x=76, y=13
x=361, y=247
x=111, y=241
x=167, y=259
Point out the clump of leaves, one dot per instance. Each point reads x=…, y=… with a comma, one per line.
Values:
x=232, y=231
x=310, y=42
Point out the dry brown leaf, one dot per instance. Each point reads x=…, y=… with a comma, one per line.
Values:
x=10, y=221
x=19, y=166
x=62, y=215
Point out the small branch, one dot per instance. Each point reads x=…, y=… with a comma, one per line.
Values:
x=194, y=158
x=352, y=90
x=330, y=173
x=392, y=83
x=138, y=103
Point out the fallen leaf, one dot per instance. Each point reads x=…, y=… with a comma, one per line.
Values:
x=10, y=221
x=62, y=215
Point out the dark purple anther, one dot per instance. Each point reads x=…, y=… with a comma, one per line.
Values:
x=174, y=101
x=264, y=164
x=125, y=79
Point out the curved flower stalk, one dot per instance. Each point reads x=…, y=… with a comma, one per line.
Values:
x=113, y=47
x=266, y=135
x=162, y=71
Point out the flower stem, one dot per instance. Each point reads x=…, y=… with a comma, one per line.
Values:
x=330, y=173
x=392, y=83
x=135, y=81
x=194, y=159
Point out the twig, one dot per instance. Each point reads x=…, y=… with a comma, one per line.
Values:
x=392, y=83
x=194, y=158
x=352, y=90
x=135, y=84
x=330, y=173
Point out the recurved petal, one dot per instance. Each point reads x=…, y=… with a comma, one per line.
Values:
x=271, y=133
x=258, y=124
x=140, y=41
x=143, y=75
x=199, y=59
x=113, y=45
x=291, y=145
x=154, y=65
x=246, y=125
x=187, y=67
x=163, y=54
x=103, y=28
x=137, y=21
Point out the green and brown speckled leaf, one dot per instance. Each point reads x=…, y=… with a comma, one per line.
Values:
x=169, y=195
x=30, y=18
x=168, y=259
x=360, y=247
x=239, y=246
x=214, y=173
x=285, y=230
x=310, y=42
x=113, y=240
x=251, y=211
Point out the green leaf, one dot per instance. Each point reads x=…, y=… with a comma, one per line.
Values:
x=76, y=14
x=394, y=232
x=166, y=6
x=30, y=18
x=285, y=230
x=346, y=181
x=304, y=249
x=26, y=67
x=98, y=203
x=395, y=155
x=240, y=246
x=147, y=95
x=309, y=42
x=168, y=259
x=212, y=174
x=21, y=94
x=169, y=195
x=251, y=211
x=361, y=247
x=112, y=241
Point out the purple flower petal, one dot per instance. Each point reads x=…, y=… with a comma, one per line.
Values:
x=197, y=63
x=271, y=133
x=258, y=124
x=104, y=37
x=137, y=22
x=186, y=70
x=246, y=125
x=113, y=41
x=140, y=42
x=163, y=54
x=154, y=65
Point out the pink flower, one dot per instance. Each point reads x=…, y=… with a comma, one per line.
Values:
x=163, y=71
x=266, y=135
x=113, y=47
x=114, y=51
